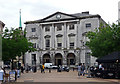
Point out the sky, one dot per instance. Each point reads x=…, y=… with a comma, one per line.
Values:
x=38, y=9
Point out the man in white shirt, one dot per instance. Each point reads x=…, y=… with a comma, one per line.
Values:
x=100, y=66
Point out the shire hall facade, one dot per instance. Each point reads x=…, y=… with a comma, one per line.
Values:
x=60, y=39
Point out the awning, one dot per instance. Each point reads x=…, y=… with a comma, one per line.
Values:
x=110, y=58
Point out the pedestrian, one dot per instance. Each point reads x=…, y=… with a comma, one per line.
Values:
x=22, y=69
x=83, y=69
x=27, y=68
x=50, y=68
x=79, y=69
x=89, y=72
x=43, y=68
x=18, y=72
x=100, y=66
x=1, y=74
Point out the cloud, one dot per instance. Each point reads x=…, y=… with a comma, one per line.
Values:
x=38, y=9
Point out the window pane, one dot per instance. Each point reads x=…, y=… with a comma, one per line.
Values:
x=71, y=44
x=47, y=28
x=34, y=45
x=59, y=44
x=59, y=27
x=33, y=29
x=47, y=43
x=88, y=25
x=71, y=27
x=33, y=59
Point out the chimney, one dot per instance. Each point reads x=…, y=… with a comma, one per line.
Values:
x=86, y=12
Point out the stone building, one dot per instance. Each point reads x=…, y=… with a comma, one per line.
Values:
x=1, y=29
x=1, y=26
x=119, y=11
x=60, y=38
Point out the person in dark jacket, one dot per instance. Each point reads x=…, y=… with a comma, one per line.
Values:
x=83, y=69
x=22, y=69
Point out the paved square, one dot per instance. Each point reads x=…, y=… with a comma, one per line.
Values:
x=55, y=76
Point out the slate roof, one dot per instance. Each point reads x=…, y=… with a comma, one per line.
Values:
x=81, y=14
x=74, y=16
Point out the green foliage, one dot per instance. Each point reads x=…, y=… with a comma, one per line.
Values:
x=14, y=43
x=104, y=40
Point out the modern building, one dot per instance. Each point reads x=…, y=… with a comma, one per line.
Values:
x=60, y=38
x=1, y=29
x=119, y=11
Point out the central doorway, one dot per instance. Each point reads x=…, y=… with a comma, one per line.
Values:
x=46, y=58
x=58, y=59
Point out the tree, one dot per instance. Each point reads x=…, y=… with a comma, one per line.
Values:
x=104, y=40
x=14, y=43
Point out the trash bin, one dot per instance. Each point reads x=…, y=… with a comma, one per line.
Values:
x=1, y=75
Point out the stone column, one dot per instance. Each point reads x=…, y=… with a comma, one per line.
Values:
x=53, y=36
x=52, y=57
x=40, y=57
x=65, y=36
x=42, y=37
x=78, y=59
x=65, y=57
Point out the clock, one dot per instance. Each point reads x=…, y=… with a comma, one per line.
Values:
x=58, y=16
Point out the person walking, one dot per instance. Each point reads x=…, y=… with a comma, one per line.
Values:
x=26, y=68
x=79, y=69
x=83, y=69
x=22, y=69
x=43, y=68
x=50, y=68
x=89, y=72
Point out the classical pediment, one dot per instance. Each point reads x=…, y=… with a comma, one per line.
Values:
x=58, y=16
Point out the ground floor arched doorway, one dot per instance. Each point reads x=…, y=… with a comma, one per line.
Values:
x=58, y=59
x=46, y=58
x=71, y=59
